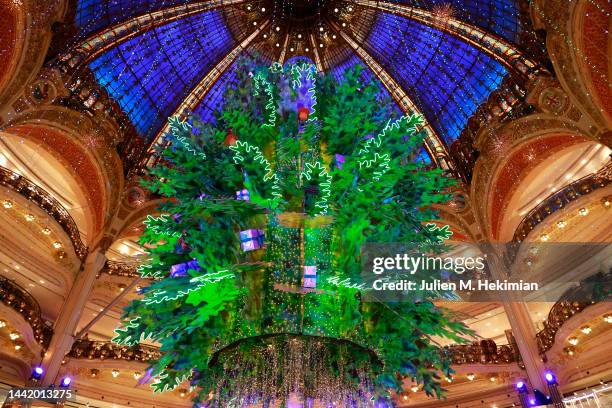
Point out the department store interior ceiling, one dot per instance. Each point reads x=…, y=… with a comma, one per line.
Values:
x=150, y=70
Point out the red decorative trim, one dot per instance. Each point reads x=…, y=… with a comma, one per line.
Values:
x=9, y=30
x=595, y=40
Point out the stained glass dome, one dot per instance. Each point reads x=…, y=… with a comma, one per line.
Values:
x=440, y=58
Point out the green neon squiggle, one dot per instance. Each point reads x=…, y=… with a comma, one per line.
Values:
x=241, y=148
x=177, y=127
x=261, y=82
x=324, y=186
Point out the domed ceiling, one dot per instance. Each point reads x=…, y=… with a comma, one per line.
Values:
x=159, y=58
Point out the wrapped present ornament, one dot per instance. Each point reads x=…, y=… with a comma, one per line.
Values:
x=251, y=239
x=310, y=276
x=243, y=195
x=339, y=160
x=182, y=269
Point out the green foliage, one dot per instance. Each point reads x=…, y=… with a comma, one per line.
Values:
x=314, y=213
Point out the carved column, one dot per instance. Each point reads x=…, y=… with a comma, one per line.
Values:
x=69, y=317
x=523, y=328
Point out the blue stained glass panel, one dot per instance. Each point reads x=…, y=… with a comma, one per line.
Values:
x=501, y=17
x=93, y=15
x=151, y=74
x=445, y=77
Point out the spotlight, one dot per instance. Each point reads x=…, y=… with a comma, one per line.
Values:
x=470, y=376
x=29, y=217
x=37, y=373
x=573, y=341
x=586, y=330
x=532, y=401
x=7, y=204
x=583, y=211
x=17, y=346
x=137, y=375
x=277, y=28
x=561, y=224
x=2, y=323
x=57, y=245
x=46, y=231
x=115, y=373
x=66, y=381
x=550, y=378
x=14, y=335
x=607, y=319
x=521, y=386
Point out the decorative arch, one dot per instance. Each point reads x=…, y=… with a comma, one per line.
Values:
x=508, y=154
x=82, y=146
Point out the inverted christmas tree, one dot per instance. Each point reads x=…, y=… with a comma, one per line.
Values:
x=258, y=255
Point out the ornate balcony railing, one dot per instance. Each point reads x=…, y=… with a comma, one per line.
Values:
x=485, y=352
x=47, y=203
x=562, y=198
x=106, y=350
x=560, y=313
x=20, y=300
x=128, y=269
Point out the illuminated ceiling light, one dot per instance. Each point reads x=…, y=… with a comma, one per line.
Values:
x=263, y=9
x=573, y=341
x=562, y=224
x=307, y=49
x=493, y=378
x=29, y=217
x=277, y=44
x=46, y=231
x=449, y=380
x=544, y=237
x=299, y=35
x=291, y=49
x=405, y=397
x=414, y=388
x=121, y=287
x=2, y=323
x=336, y=10
x=94, y=372
x=343, y=24
x=321, y=29
x=586, y=330
x=137, y=375
x=334, y=36
x=277, y=28
x=254, y=23
x=41, y=282
x=350, y=8
x=607, y=318
x=583, y=211
x=471, y=376
x=57, y=245
x=569, y=351
x=606, y=202
x=14, y=335
x=7, y=204
x=265, y=35
x=249, y=7
x=320, y=45
x=182, y=393
x=18, y=346
x=115, y=373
